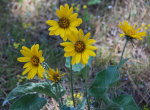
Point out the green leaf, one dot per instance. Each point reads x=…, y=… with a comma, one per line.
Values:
x=64, y=107
x=103, y=80
x=126, y=102
x=82, y=105
x=28, y=88
x=93, y=2
x=77, y=67
x=29, y=102
x=123, y=62
x=123, y=102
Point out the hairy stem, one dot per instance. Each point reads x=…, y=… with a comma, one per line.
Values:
x=86, y=78
x=72, y=92
x=123, y=51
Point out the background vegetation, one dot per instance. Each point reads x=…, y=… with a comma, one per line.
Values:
x=22, y=22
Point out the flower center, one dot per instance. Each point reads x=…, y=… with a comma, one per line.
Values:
x=79, y=46
x=64, y=22
x=35, y=60
x=56, y=77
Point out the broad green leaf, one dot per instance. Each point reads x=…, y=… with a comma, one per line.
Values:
x=123, y=102
x=93, y=2
x=64, y=107
x=28, y=88
x=126, y=102
x=82, y=105
x=103, y=80
x=29, y=102
x=77, y=67
x=123, y=62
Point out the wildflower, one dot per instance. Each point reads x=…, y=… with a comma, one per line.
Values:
x=77, y=8
x=29, y=24
x=18, y=76
x=55, y=77
x=23, y=40
x=79, y=96
x=130, y=31
x=98, y=16
x=8, y=34
x=12, y=40
x=16, y=45
x=74, y=95
x=143, y=24
x=71, y=102
x=148, y=25
x=146, y=28
x=20, y=80
x=67, y=23
x=126, y=79
x=33, y=59
x=109, y=7
x=8, y=5
x=72, y=4
x=79, y=48
x=34, y=27
x=84, y=6
x=24, y=25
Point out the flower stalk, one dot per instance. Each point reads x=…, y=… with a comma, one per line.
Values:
x=86, y=78
x=72, y=92
x=123, y=51
x=58, y=93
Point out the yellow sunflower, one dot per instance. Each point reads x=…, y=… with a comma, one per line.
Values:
x=33, y=59
x=130, y=31
x=54, y=76
x=67, y=23
x=79, y=48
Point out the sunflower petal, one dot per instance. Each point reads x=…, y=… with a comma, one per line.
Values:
x=86, y=37
x=90, y=41
x=78, y=57
x=23, y=59
x=89, y=47
x=52, y=23
x=32, y=73
x=29, y=64
x=26, y=70
x=81, y=34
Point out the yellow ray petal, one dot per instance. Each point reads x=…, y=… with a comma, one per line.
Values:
x=78, y=57
x=66, y=44
x=32, y=73
x=52, y=23
x=40, y=71
x=23, y=59
x=81, y=34
x=86, y=37
x=29, y=64
x=121, y=35
x=26, y=53
x=41, y=59
x=90, y=41
x=68, y=49
x=91, y=53
x=73, y=61
x=91, y=47
x=26, y=70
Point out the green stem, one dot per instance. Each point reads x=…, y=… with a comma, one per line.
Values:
x=72, y=92
x=61, y=100
x=58, y=93
x=123, y=51
x=86, y=78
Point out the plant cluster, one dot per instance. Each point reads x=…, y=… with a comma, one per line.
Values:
x=79, y=53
